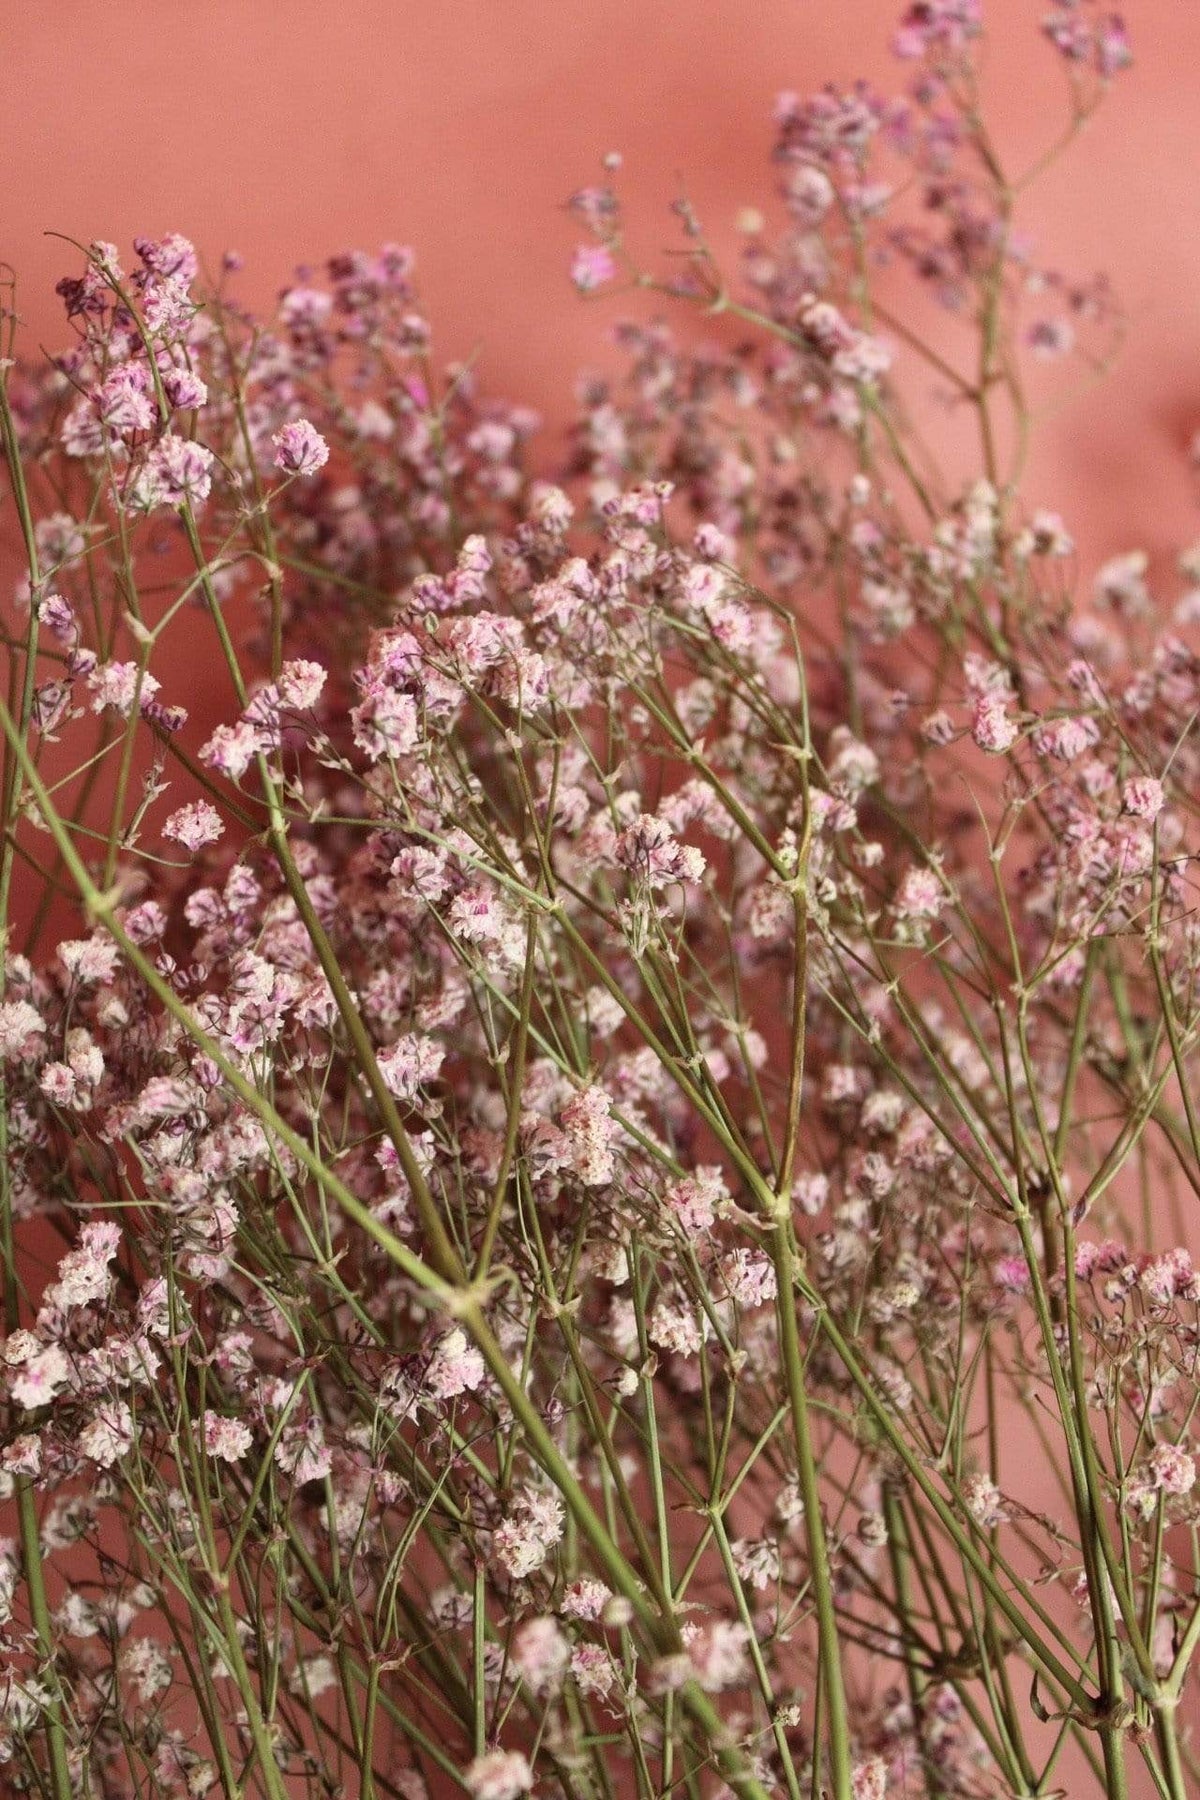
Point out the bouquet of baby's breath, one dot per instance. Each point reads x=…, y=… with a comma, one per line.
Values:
x=595, y=1180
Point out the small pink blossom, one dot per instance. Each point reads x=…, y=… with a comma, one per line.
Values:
x=194, y=826
x=649, y=850
x=22, y=1030
x=300, y=685
x=118, y=685
x=590, y=1135
x=302, y=1451
x=226, y=1439
x=300, y=449
x=176, y=471
x=920, y=895
x=591, y=266
x=992, y=727
x=869, y=1779
x=717, y=1653
x=984, y=1501
x=696, y=1199
x=456, y=1366
x=44, y=1371
x=1172, y=1469
x=88, y=960
x=498, y=1775
x=1142, y=795
x=108, y=1436
x=23, y=1456
x=231, y=749
x=541, y=1653
x=1012, y=1274
x=593, y=1670
x=412, y=1061
x=1121, y=583
x=523, y=1540
x=84, y=1275
x=586, y=1599
x=748, y=1277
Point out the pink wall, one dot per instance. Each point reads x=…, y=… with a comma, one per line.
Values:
x=287, y=130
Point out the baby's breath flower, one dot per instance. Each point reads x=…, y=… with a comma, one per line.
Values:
x=591, y=266
x=108, y=1435
x=498, y=1775
x=1142, y=796
x=300, y=449
x=227, y=1439
x=194, y=826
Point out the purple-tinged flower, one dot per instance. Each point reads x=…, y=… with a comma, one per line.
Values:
x=58, y=616
x=1102, y=45
x=300, y=684
x=456, y=1366
x=88, y=961
x=1049, y=339
x=992, y=727
x=231, y=749
x=45, y=1370
x=498, y=1775
x=650, y=851
x=1114, y=51
x=168, y=308
x=411, y=1062
x=937, y=25
x=591, y=266
x=869, y=1780
x=194, y=826
x=300, y=449
x=125, y=400
x=184, y=390
x=226, y=1439
x=541, y=1652
x=920, y=895
x=173, y=255
x=1142, y=795
x=176, y=470
x=117, y=685
x=109, y=1435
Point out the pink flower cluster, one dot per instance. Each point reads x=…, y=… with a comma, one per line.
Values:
x=665, y=967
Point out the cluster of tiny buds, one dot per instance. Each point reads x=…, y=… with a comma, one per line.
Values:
x=665, y=994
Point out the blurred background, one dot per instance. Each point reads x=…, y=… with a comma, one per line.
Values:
x=287, y=131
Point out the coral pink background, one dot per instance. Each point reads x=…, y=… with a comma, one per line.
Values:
x=289, y=130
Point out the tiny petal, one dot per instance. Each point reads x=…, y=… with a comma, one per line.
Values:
x=194, y=826
x=300, y=449
x=591, y=266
